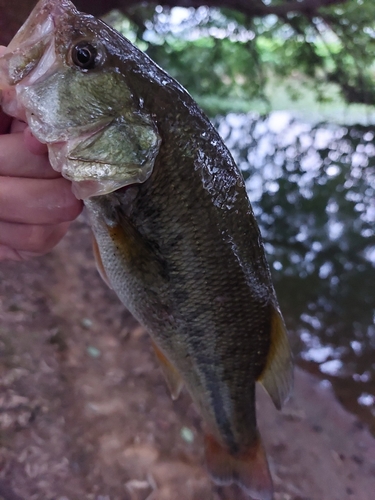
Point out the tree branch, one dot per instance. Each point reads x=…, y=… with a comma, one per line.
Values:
x=256, y=8
x=13, y=14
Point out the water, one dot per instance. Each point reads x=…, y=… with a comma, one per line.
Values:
x=313, y=191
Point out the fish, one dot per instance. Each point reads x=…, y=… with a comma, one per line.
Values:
x=174, y=232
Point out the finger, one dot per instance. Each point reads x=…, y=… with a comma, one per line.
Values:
x=37, y=239
x=34, y=201
x=32, y=144
x=17, y=161
x=7, y=253
x=17, y=126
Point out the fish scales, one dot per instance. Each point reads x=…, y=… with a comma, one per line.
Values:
x=175, y=235
x=208, y=306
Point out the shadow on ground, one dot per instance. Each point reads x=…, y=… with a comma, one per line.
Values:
x=85, y=415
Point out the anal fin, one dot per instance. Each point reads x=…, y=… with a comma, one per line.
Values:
x=249, y=469
x=277, y=376
x=171, y=375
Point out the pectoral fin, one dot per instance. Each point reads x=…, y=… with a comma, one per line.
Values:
x=139, y=254
x=99, y=262
x=277, y=376
x=171, y=375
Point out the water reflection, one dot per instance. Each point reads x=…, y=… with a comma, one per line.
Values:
x=313, y=191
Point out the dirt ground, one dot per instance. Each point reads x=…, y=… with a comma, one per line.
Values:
x=85, y=413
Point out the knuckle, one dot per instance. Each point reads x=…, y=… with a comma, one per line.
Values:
x=68, y=207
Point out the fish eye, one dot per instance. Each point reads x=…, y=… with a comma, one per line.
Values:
x=84, y=55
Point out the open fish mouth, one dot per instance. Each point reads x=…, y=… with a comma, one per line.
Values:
x=91, y=145
x=28, y=49
x=28, y=59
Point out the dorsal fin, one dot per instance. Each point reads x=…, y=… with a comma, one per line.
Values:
x=171, y=375
x=277, y=376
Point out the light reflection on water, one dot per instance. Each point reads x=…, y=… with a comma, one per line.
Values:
x=313, y=191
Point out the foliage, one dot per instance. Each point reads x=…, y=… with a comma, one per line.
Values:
x=225, y=57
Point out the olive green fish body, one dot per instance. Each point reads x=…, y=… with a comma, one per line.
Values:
x=210, y=306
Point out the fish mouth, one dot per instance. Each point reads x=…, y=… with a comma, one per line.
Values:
x=29, y=57
x=88, y=189
x=41, y=21
x=31, y=52
x=25, y=51
x=30, y=67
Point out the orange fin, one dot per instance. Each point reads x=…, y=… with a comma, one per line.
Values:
x=277, y=376
x=137, y=250
x=99, y=262
x=248, y=469
x=171, y=375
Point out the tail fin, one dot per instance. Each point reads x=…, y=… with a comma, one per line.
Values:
x=248, y=469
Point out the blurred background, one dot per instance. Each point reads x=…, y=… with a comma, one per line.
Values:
x=290, y=85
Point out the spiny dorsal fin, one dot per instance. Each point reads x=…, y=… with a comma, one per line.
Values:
x=171, y=375
x=277, y=376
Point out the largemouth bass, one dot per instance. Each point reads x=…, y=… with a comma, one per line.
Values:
x=175, y=235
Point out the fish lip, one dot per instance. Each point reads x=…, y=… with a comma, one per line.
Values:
x=35, y=35
x=26, y=49
x=83, y=190
x=43, y=10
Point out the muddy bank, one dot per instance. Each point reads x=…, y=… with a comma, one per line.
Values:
x=85, y=414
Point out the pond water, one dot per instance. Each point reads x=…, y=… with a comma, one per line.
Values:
x=312, y=188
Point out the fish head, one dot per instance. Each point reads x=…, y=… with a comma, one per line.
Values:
x=67, y=74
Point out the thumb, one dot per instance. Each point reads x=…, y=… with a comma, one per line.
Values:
x=32, y=144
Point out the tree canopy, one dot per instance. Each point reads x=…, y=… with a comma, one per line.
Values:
x=235, y=47
x=237, y=51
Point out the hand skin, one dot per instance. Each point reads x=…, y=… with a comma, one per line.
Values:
x=36, y=203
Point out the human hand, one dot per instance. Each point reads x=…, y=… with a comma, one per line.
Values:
x=36, y=203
